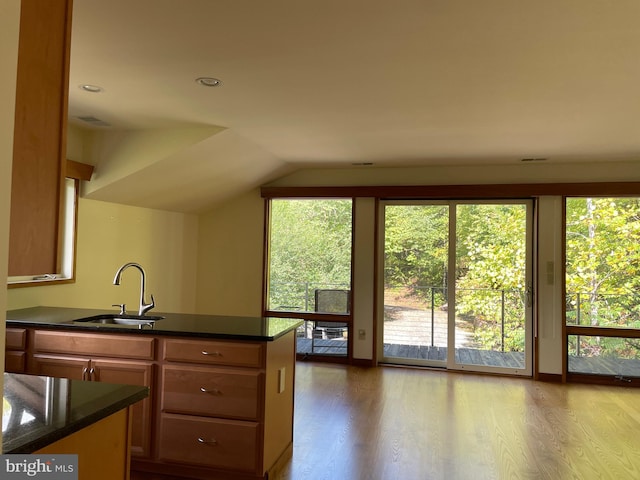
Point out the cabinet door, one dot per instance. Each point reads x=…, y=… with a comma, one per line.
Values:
x=39, y=135
x=75, y=368
x=14, y=355
x=131, y=373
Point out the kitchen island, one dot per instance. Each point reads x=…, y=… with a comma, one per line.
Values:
x=221, y=403
x=47, y=415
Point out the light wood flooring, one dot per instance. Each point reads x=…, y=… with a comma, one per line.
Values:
x=392, y=423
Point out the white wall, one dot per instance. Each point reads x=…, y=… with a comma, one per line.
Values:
x=549, y=301
x=9, y=27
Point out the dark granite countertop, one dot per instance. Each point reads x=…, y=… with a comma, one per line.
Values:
x=174, y=324
x=45, y=409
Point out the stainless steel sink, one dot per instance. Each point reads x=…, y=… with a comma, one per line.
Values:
x=110, y=319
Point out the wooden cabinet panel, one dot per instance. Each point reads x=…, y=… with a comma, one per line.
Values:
x=131, y=373
x=209, y=442
x=241, y=354
x=75, y=368
x=127, y=346
x=211, y=391
x=16, y=339
x=15, y=362
x=110, y=371
x=14, y=354
x=102, y=449
x=39, y=136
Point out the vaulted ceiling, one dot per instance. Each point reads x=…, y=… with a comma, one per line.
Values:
x=337, y=82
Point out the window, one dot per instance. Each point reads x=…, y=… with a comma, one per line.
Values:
x=602, y=284
x=309, y=269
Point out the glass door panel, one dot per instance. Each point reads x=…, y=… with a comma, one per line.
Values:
x=491, y=288
x=457, y=285
x=415, y=323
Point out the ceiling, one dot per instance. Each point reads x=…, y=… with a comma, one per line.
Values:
x=338, y=82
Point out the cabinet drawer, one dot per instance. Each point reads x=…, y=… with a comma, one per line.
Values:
x=228, y=444
x=211, y=391
x=16, y=339
x=130, y=346
x=213, y=352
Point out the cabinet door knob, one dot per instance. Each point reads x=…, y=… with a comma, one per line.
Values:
x=85, y=371
x=213, y=441
x=213, y=391
x=212, y=354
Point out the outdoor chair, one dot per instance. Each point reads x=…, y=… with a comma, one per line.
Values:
x=330, y=301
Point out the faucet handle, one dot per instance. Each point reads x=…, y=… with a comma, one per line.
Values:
x=123, y=308
x=145, y=307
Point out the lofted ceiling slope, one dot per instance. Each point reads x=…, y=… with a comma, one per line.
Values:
x=310, y=84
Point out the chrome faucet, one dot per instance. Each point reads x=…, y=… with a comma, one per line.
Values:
x=144, y=307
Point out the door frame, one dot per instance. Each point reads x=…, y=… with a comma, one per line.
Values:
x=450, y=363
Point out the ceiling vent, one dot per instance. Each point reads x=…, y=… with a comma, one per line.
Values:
x=91, y=120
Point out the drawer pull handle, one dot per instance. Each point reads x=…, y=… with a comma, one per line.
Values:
x=213, y=391
x=212, y=442
x=212, y=354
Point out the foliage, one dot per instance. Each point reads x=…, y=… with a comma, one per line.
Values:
x=310, y=247
x=310, y=242
x=603, y=271
x=416, y=248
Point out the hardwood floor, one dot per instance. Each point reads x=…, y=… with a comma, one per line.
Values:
x=398, y=423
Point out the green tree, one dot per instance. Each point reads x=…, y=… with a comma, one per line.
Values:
x=309, y=247
x=490, y=272
x=416, y=247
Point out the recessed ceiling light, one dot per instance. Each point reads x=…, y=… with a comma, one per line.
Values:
x=209, y=81
x=91, y=88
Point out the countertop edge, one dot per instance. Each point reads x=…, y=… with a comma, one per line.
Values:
x=66, y=318
x=64, y=431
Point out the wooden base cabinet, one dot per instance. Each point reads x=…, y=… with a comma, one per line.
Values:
x=217, y=409
x=102, y=448
x=47, y=360
x=226, y=408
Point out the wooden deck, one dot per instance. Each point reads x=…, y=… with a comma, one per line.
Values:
x=338, y=347
x=604, y=366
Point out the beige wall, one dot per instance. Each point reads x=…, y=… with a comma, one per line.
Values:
x=229, y=274
x=9, y=26
x=109, y=235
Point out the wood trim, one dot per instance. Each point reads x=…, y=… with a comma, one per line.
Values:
x=549, y=377
x=79, y=171
x=630, y=382
x=516, y=190
x=364, y=362
x=601, y=331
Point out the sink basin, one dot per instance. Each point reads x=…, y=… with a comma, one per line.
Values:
x=109, y=319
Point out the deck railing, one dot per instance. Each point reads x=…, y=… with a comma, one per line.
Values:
x=497, y=305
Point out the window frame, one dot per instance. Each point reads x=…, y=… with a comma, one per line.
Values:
x=571, y=330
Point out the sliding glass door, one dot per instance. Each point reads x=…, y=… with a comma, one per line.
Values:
x=457, y=288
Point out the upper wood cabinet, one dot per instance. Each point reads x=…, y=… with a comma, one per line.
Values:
x=39, y=150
